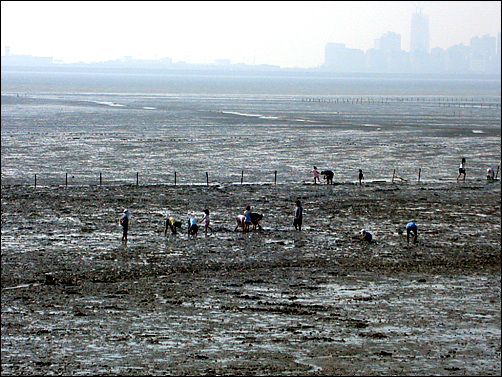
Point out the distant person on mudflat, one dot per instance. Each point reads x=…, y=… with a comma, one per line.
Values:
x=328, y=176
x=361, y=176
x=206, y=221
x=171, y=224
x=124, y=223
x=193, y=228
x=315, y=173
x=461, y=170
x=240, y=222
x=298, y=216
x=490, y=174
x=247, y=221
x=411, y=228
x=366, y=236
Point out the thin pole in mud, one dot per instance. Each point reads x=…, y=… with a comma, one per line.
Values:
x=275, y=177
x=207, y=179
x=393, y=175
x=66, y=179
x=175, y=178
x=100, y=179
x=242, y=176
x=419, y=171
x=35, y=180
x=137, y=179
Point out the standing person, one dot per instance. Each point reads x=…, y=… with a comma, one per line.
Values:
x=124, y=223
x=298, y=219
x=247, y=221
x=361, y=176
x=461, y=169
x=411, y=227
x=206, y=221
x=490, y=174
x=193, y=228
x=315, y=172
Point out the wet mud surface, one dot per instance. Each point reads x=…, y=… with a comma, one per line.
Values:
x=77, y=301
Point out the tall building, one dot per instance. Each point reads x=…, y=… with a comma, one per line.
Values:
x=419, y=37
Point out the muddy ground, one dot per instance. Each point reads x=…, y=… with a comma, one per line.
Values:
x=77, y=301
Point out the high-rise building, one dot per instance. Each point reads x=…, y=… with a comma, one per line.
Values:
x=419, y=37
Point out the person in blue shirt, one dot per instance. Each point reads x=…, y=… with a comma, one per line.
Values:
x=366, y=236
x=193, y=228
x=411, y=228
x=247, y=221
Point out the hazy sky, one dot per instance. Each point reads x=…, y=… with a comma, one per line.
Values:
x=288, y=34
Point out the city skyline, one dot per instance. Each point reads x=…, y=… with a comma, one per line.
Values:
x=271, y=33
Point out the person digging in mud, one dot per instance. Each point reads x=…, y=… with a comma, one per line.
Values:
x=193, y=228
x=328, y=176
x=298, y=217
x=240, y=222
x=124, y=223
x=411, y=228
x=255, y=220
x=172, y=224
x=366, y=236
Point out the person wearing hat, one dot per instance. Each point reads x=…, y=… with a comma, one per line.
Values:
x=124, y=223
x=298, y=219
x=366, y=236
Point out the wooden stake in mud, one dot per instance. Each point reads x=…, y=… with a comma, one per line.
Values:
x=137, y=179
x=275, y=177
x=35, y=180
x=66, y=180
x=207, y=179
x=242, y=176
x=393, y=175
x=419, y=171
x=100, y=179
x=175, y=178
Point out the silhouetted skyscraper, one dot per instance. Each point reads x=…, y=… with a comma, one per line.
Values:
x=419, y=38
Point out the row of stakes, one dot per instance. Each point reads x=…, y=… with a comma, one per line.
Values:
x=394, y=177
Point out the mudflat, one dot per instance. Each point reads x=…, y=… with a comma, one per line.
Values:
x=275, y=301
